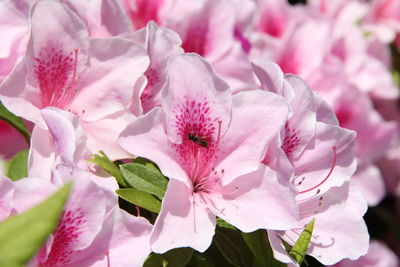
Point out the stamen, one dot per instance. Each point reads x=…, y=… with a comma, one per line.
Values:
x=138, y=211
x=76, y=50
x=326, y=178
x=108, y=259
x=219, y=134
x=194, y=212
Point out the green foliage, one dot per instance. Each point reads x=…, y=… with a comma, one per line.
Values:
x=299, y=249
x=232, y=246
x=145, y=178
x=224, y=224
x=14, y=121
x=103, y=161
x=396, y=77
x=24, y=234
x=178, y=257
x=146, y=163
x=200, y=260
x=140, y=198
x=17, y=168
x=261, y=249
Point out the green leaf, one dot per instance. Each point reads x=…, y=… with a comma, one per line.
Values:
x=18, y=166
x=140, y=198
x=103, y=161
x=145, y=179
x=201, y=260
x=299, y=249
x=14, y=121
x=232, y=246
x=224, y=224
x=146, y=163
x=178, y=257
x=261, y=249
x=396, y=77
x=24, y=234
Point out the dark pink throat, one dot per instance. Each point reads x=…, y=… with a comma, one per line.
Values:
x=196, y=39
x=55, y=71
x=291, y=140
x=200, y=135
x=66, y=236
x=144, y=11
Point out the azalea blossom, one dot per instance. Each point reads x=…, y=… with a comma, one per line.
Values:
x=92, y=230
x=160, y=44
x=63, y=67
x=213, y=163
x=13, y=33
x=379, y=255
x=320, y=154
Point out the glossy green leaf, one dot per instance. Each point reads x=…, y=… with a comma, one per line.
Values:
x=147, y=163
x=103, y=161
x=232, y=246
x=24, y=234
x=145, y=179
x=14, y=121
x=140, y=198
x=178, y=257
x=261, y=249
x=17, y=168
x=299, y=249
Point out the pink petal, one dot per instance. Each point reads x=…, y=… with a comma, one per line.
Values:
x=183, y=221
x=107, y=86
x=145, y=137
x=243, y=148
x=257, y=200
x=6, y=197
x=192, y=81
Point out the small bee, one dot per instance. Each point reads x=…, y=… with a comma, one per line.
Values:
x=196, y=139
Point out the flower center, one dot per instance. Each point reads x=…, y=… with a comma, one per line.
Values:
x=196, y=39
x=55, y=72
x=142, y=11
x=291, y=140
x=200, y=141
x=66, y=236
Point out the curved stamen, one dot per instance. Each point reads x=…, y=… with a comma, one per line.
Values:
x=329, y=173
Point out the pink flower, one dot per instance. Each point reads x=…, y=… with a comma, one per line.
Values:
x=63, y=142
x=207, y=28
x=160, y=44
x=13, y=33
x=92, y=230
x=379, y=255
x=198, y=140
x=320, y=154
x=143, y=11
x=339, y=63
x=103, y=18
x=383, y=19
x=63, y=67
x=11, y=141
x=374, y=137
x=6, y=197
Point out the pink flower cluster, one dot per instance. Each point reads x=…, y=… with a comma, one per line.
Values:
x=260, y=113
